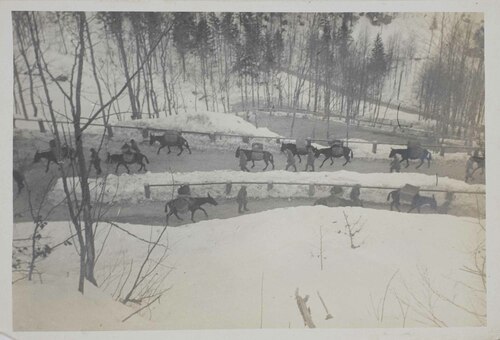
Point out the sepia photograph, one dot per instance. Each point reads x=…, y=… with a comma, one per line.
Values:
x=207, y=170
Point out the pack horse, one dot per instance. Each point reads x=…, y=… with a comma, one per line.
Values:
x=257, y=153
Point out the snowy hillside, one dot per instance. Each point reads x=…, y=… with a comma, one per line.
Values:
x=231, y=273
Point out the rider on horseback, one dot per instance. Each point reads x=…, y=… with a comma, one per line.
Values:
x=184, y=194
x=134, y=147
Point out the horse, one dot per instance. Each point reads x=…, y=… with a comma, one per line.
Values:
x=296, y=152
x=194, y=203
x=416, y=202
x=267, y=157
x=180, y=142
x=19, y=178
x=335, y=201
x=328, y=153
x=66, y=152
x=120, y=160
x=469, y=171
x=419, y=201
x=405, y=156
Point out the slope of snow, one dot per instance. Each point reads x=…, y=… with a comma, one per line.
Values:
x=56, y=305
x=206, y=122
x=131, y=187
x=231, y=273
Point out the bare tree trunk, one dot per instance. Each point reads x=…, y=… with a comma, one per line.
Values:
x=121, y=48
x=20, y=91
x=83, y=175
x=28, y=66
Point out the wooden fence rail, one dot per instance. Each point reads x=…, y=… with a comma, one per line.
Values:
x=270, y=185
x=245, y=138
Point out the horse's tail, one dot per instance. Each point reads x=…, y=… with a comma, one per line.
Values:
x=389, y=196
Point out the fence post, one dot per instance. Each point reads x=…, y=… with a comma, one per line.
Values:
x=312, y=190
x=441, y=151
x=229, y=185
x=41, y=126
x=110, y=131
x=145, y=133
x=147, y=190
x=374, y=147
x=270, y=185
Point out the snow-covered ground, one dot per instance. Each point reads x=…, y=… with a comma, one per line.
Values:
x=205, y=122
x=130, y=188
x=232, y=273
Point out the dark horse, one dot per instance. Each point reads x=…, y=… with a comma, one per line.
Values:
x=416, y=202
x=19, y=178
x=194, y=203
x=406, y=155
x=180, y=142
x=267, y=157
x=470, y=170
x=334, y=201
x=296, y=152
x=66, y=152
x=328, y=153
x=120, y=160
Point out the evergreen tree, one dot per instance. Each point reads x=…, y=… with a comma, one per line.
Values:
x=378, y=62
x=184, y=31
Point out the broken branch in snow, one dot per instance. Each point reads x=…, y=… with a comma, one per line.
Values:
x=304, y=310
x=328, y=315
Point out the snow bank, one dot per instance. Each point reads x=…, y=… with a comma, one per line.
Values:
x=130, y=188
x=223, y=269
x=207, y=122
x=56, y=305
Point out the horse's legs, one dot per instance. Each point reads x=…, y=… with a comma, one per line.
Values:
x=428, y=162
x=267, y=164
x=116, y=169
x=253, y=163
x=411, y=208
x=300, y=160
x=161, y=147
x=206, y=215
x=168, y=146
x=421, y=162
x=174, y=211
x=180, y=147
x=346, y=160
x=192, y=215
x=47, y=168
x=407, y=163
x=324, y=160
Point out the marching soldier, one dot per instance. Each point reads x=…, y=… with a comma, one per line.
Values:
x=96, y=161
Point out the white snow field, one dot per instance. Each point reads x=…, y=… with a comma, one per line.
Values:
x=130, y=188
x=406, y=272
